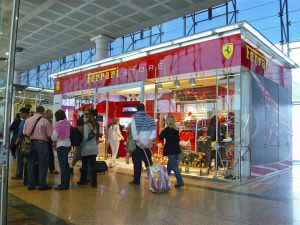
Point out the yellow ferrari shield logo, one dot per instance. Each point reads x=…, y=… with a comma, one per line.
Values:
x=57, y=86
x=227, y=50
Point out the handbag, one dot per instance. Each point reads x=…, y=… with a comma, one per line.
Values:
x=91, y=134
x=75, y=136
x=130, y=144
x=26, y=141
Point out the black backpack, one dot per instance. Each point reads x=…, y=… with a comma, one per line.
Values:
x=75, y=136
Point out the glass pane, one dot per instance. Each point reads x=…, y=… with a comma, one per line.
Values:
x=296, y=132
x=271, y=128
x=226, y=154
x=5, y=25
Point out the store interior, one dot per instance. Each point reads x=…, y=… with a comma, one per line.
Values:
x=204, y=109
x=31, y=98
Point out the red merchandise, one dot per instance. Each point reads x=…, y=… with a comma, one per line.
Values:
x=188, y=135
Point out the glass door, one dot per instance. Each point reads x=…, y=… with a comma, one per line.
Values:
x=8, y=11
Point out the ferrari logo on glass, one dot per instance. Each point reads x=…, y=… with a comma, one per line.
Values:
x=227, y=50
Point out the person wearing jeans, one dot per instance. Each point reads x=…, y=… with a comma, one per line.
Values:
x=138, y=156
x=21, y=172
x=88, y=170
x=38, y=155
x=89, y=148
x=172, y=149
x=143, y=130
x=39, y=130
x=61, y=135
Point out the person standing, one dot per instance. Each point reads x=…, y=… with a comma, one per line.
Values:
x=143, y=130
x=89, y=148
x=76, y=151
x=49, y=117
x=39, y=130
x=61, y=135
x=21, y=171
x=114, y=137
x=14, y=129
x=172, y=149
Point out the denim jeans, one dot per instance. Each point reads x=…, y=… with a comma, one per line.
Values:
x=137, y=157
x=173, y=165
x=89, y=167
x=62, y=155
x=20, y=163
x=51, y=157
x=39, y=154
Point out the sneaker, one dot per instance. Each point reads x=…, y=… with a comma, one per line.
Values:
x=45, y=188
x=178, y=185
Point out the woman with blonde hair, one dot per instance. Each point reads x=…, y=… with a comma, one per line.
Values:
x=172, y=148
x=114, y=137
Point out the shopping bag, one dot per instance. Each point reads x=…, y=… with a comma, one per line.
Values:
x=159, y=181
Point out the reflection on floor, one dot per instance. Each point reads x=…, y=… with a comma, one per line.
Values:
x=21, y=212
x=272, y=201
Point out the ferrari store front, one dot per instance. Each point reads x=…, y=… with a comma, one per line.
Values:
x=229, y=90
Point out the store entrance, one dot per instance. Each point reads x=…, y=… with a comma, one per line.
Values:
x=117, y=103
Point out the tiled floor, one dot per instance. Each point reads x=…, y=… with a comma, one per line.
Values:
x=273, y=201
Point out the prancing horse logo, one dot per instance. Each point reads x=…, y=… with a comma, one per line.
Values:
x=227, y=50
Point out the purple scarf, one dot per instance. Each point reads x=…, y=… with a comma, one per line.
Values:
x=62, y=128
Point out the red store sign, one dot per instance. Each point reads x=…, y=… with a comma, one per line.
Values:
x=218, y=53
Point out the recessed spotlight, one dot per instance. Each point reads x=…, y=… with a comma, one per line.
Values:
x=6, y=53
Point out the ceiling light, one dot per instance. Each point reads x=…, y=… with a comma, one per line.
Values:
x=177, y=83
x=6, y=53
x=33, y=89
x=192, y=81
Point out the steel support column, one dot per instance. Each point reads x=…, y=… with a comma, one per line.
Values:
x=284, y=25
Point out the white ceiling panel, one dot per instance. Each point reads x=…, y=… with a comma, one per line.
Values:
x=49, y=29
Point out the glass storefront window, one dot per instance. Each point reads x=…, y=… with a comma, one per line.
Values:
x=204, y=110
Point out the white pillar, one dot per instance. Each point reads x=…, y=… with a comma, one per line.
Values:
x=102, y=46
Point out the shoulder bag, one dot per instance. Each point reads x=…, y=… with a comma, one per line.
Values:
x=26, y=142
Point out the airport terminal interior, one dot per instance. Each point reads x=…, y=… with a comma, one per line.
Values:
x=148, y=112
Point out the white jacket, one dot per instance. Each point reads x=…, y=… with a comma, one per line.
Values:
x=114, y=133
